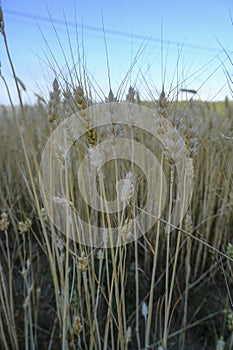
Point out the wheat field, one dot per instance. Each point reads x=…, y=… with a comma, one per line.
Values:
x=167, y=288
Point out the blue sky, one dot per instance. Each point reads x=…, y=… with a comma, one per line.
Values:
x=190, y=55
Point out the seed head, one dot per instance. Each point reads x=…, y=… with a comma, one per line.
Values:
x=78, y=325
x=114, y=129
x=230, y=320
x=83, y=262
x=125, y=230
x=24, y=226
x=68, y=102
x=127, y=189
x=230, y=250
x=174, y=147
x=92, y=137
x=54, y=101
x=131, y=95
x=110, y=97
x=220, y=344
x=81, y=103
x=188, y=222
x=95, y=157
x=128, y=335
x=43, y=214
x=144, y=310
x=4, y=223
x=100, y=254
x=163, y=105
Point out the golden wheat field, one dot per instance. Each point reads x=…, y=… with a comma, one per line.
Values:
x=116, y=218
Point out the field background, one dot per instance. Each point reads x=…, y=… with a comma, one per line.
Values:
x=34, y=262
